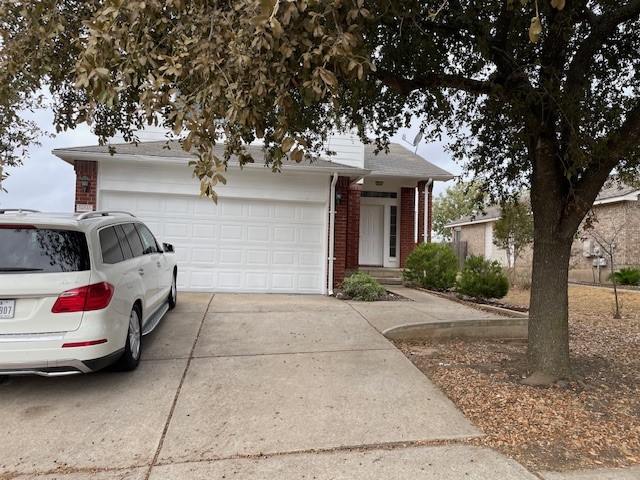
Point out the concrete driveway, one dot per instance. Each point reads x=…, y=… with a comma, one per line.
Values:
x=246, y=387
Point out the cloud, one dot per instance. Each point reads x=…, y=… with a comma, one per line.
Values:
x=45, y=182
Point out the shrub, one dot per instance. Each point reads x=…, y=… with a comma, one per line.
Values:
x=482, y=278
x=361, y=286
x=431, y=265
x=627, y=276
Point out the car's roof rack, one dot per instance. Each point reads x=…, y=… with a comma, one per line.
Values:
x=103, y=213
x=18, y=210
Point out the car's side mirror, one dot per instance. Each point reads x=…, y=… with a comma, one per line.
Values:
x=167, y=247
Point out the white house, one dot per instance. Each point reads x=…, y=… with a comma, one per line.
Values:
x=269, y=232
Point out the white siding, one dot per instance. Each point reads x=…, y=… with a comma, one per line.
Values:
x=348, y=148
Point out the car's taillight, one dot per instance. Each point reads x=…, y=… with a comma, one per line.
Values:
x=84, y=299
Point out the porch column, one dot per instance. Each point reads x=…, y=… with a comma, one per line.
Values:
x=429, y=211
x=407, y=223
x=421, y=188
x=353, y=227
x=341, y=223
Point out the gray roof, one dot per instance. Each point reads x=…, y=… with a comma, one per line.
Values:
x=613, y=191
x=398, y=162
x=401, y=162
x=489, y=214
x=172, y=149
x=615, y=188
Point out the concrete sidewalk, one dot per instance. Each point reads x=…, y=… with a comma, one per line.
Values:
x=248, y=387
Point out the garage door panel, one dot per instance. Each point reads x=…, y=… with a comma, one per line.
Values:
x=283, y=281
x=258, y=234
x=232, y=209
x=151, y=205
x=261, y=211
x=307, y=213
x=200, y=280
x=285, y=212
x=284, y=235
x=258, y=281
x=307, y=282
x=258, y=257
x=236, y=245
x=206, y=256
x=230, y=257
x=310, y=235
x=284, y=258
x=203, y=231
x=309, y=259
x=230, y=280
x=179, y=231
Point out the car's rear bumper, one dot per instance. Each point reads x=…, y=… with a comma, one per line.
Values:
x=59, y=368
x=44, y=354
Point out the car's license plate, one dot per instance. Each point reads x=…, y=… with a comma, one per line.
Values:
x=7, y=308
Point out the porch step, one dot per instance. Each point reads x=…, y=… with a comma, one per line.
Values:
x=385, y=276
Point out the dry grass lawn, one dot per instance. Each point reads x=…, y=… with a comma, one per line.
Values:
x=592, y=420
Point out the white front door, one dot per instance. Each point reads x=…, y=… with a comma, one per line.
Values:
x=371, y=235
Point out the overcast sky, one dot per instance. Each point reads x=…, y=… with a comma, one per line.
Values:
x=45, y=182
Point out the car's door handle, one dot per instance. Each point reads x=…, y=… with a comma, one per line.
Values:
x=159, y=265
x=141, y=271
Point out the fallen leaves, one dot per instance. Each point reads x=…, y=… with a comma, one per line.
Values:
x=592, y=420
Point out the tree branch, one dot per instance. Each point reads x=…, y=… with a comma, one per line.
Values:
x=620, y=141
x=603, y=26
x=405, y=86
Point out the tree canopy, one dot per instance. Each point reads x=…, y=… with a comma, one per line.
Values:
x=538, y=92
x=513, y=231
x=457, y=201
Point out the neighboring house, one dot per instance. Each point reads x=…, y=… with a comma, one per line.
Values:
x=269, y=232
x=477, y=232
x=615, y=212
x=615, y=218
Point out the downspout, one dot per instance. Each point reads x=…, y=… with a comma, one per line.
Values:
x=332, y=230
x=426, y=209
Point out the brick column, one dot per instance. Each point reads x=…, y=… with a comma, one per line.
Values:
x=353, y=227
x=407, y=224
x=340, y=234
x=87, y=169
x=421, y=188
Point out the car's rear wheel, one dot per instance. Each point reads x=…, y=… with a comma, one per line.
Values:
x=133, y=347
x=173, y=293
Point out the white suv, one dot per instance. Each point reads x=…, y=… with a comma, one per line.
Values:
x=78, y=292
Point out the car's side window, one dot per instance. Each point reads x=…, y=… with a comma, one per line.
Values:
x=124, y=243
x=110, y=246
x=148, y=240
x=133, y=238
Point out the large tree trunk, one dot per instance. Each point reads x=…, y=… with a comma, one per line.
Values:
x=548, y=346
x=554, y=227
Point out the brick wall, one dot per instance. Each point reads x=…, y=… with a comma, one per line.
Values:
x=341, y=230
x=475, y=237
x=421, y=189
x=407, y=223
x=353, y=227
x=90, y=170
x=622, y=216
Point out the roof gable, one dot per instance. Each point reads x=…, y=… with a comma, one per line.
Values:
x=401, y=162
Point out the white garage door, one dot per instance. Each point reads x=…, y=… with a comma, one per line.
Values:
x=237, y=245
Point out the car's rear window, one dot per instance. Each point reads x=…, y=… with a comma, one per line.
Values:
x=29, y=249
